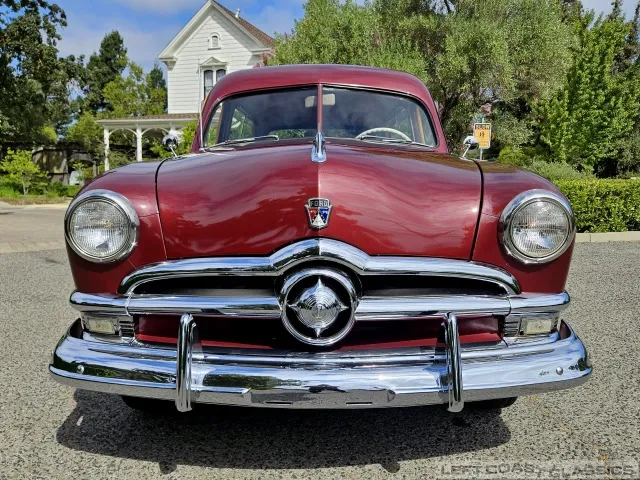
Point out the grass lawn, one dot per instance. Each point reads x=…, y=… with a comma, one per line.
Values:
x=57, y=194
x=34, y=200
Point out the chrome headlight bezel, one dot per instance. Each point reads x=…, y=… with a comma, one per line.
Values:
x=523, y=200
x=123, y=205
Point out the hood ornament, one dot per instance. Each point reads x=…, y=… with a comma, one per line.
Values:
x=318, y=212
x=318, y=152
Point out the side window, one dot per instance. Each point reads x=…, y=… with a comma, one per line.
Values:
x=211, y=137
x=241, y=125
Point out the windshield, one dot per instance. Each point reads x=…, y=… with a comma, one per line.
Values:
x=282, y=114
x=374, y=116
x=346, y=113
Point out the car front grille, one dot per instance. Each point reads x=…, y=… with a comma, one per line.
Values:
x=238, y=301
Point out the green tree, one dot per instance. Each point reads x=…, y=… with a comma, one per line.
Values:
x=591, y=119
x=135, y=95
x=34, y=82
x=346, y=33
x=629, y=155
x=88, y=134
x=468, y=52
x=104, y=66
x=156, y=81
x=511, y=52
x=21, y=171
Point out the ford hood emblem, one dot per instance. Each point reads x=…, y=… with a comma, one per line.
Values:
x=318, y=212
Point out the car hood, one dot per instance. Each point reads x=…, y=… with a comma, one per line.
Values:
x=386, y=201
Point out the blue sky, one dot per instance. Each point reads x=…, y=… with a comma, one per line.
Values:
x=148, y=25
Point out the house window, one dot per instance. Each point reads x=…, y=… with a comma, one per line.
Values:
x=214, y=41
x=221, y=72
x=208, y=82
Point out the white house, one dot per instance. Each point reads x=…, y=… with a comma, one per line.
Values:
x=214, y=42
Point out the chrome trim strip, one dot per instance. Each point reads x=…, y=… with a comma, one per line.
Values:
x=255, y=307
x=103, y=302
x=122, y=204
x=184, y=357
x=540, y=302
x=369, y=308
x=521, y=201
x=454, y=363
x=405, y=308
x=381, y=381
x=320, y=249
x=259, y=307
x=359, y=358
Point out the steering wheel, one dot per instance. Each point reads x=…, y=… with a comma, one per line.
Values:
x=384, y=130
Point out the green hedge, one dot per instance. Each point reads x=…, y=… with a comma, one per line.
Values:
x=604, y=205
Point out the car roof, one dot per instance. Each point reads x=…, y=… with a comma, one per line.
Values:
x=298, y=75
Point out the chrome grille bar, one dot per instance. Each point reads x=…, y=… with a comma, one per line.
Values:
x=369, y=308
x=406, y=308
x=258, y=307
x=320, y=249
x=454, y=363
x=184, y=362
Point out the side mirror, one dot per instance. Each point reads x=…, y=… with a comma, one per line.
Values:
x=471, y=143
x=171, y=141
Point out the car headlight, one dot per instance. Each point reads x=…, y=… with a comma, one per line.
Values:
x=537, y=226
x=102, y=226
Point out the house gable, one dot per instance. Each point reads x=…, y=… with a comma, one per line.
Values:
x=261, y=41
x=213, y=40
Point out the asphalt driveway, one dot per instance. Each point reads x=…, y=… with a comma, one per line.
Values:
x=50, y=431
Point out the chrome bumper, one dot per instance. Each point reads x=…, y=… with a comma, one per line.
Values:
x=451, y=375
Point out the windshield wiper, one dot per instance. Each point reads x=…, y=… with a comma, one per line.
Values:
x=246, y=140
x=401, y=141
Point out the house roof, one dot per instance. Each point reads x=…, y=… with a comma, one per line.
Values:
x=265, y=39
x=262, y=40
x=163, y=116
x=149, y=122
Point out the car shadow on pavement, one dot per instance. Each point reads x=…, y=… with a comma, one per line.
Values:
x=248, y=438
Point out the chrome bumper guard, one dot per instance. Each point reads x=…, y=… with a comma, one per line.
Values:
x=410, y=377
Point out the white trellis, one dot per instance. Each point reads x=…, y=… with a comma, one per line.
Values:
x=140, y=126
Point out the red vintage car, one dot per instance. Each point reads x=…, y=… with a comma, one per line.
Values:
x=320, y=248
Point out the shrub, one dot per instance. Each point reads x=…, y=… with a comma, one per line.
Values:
x=556, y=171
x=21, y=171
x=604, y=205
x=57, y=189
x=513, y=156
x=72, y=190
x=8, y=192
x=538, y=161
